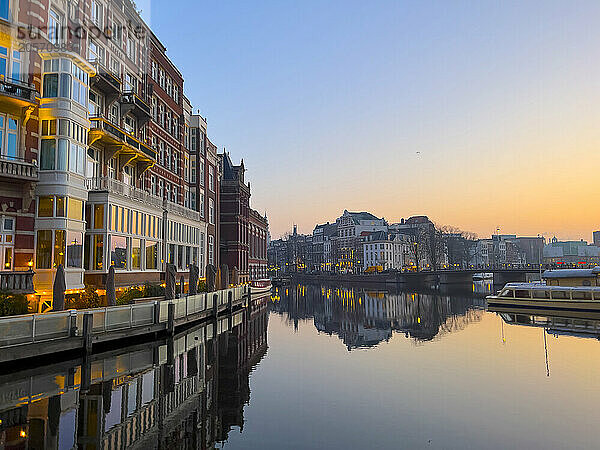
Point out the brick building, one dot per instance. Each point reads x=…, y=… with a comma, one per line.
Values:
x=235, y=216
x=102, y=161
x=257, y=239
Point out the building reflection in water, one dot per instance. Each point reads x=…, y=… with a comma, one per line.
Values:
x=186, y=392
x=364, y=317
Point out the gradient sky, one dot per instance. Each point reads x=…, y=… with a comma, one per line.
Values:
x=329, y=102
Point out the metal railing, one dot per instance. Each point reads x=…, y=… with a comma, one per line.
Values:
x=108, y=75
x=17, y=282
x=102, y=124
x=35, y=328
x=18, y=89
x=133, y=99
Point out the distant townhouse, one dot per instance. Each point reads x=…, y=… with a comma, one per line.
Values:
x=388, y=250
x=350, y=225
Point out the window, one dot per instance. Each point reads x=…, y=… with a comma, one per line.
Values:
x=74, y=249
x=136, y=254
x=59, y=248
x=43, y=249
x=211, y=211
x=4, y=9
x=98, y=252
x=202, y=204
x=130, y=83
x=75, y=209
x=131, y=47
x=46, y=207
x=118, y=251
x=211, y=178
x=9, y=130
x=95, y=52
x=201, y=174
x=96, y=13
x=99, y=216
x=16, y=73
x=151, y=254
x=54, y=27
x=61, y=205
x=211, y=241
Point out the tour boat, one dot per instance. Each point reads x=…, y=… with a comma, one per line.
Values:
x=539, y=295
x=260, y=286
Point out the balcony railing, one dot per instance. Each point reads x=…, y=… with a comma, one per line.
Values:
x=174, y=208
x=123, y=189
x=13, y=167
x=130, y=101
x=106, y=81
x=17, y=282
x=18, y=90
x=100, y=123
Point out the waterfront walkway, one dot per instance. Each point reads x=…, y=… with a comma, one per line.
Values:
x=34, y=335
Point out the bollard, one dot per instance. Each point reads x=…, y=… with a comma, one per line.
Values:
x=72, y=322
x=88, y=324
x=230, y=301
x=171, y=319
x=215, y=304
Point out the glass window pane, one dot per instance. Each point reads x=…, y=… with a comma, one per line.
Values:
x=98, y=216
x=75, y=210
x=47, y=154
x=43, y=250
x=74, y=249
x=51, y=85
x=80, y=160
x=65, y=85
x=151, y=254
x=60, y=206
x=118, y=252
x=46, y=207
x=61, y=160
x=136, y=254
x=72, y=158
x=59, y=247
x=98, y=252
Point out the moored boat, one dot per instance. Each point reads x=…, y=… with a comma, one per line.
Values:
x=260, y=286
x=569, y=290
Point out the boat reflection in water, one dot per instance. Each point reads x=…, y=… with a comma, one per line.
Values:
x=364, y=317
x=555, y=322
x=182, y=392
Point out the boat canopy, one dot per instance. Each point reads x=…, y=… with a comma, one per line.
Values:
x=572, y=273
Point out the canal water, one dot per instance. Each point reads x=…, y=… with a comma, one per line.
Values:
x=326, y=367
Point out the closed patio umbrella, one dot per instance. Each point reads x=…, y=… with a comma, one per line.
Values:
x=111, y=296
x=58, y=290
x=193, y=289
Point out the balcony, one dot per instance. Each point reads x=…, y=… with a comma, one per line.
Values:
x=182, y=211
x=16, y=95
x=106, y=82
x=17, y=282
x=124, y=146
x=125, y=190
x=132, y=103
x=17, y=168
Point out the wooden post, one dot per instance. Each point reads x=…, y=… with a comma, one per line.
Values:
x=73, y=323
x=171, y=319
x=215, y=304
x=88, y=323
x=156, y=312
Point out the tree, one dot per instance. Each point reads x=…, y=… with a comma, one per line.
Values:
x=459, y=245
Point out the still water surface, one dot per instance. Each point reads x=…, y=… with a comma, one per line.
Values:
x=327, y=367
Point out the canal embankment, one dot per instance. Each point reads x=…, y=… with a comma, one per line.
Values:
x=38, y=335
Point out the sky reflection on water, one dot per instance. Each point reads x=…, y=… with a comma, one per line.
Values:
x=355, y=368
x=325, y=367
